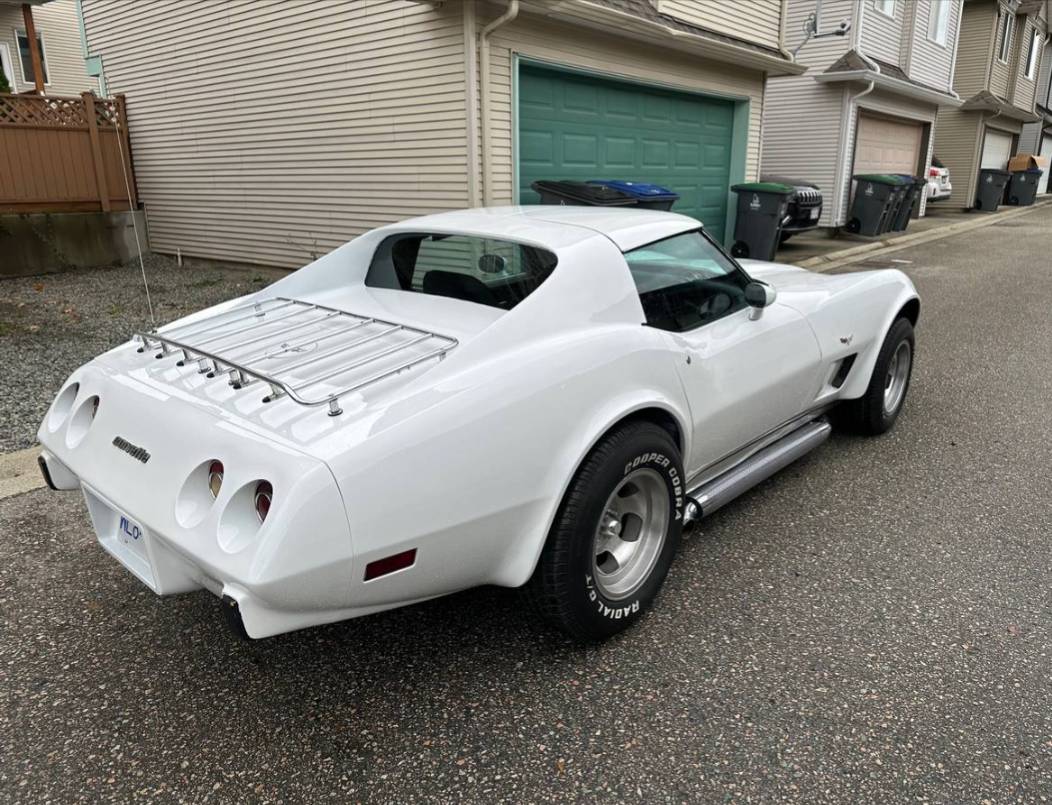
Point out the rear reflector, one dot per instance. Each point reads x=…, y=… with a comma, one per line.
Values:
x=389, y=564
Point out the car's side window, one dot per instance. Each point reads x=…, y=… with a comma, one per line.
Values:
x=686, y=282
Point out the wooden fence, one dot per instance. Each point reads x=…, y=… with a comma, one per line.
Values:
x=65, y=154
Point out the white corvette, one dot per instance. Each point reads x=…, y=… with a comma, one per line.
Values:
x=536, y=396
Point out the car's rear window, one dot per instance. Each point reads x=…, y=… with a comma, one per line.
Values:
x=499, y=273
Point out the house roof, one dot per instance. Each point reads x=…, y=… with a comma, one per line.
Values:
x=986, y=101
x=853, y=66
x=640, y=20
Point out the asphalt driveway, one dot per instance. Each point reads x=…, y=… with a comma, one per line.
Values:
x=872, y=625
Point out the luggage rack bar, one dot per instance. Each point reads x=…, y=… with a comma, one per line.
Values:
x=203, y=342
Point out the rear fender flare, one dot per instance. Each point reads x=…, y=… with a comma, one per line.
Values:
x=521, y=560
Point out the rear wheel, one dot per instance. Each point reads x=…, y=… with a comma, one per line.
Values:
x=614, y=535
x=875, y=411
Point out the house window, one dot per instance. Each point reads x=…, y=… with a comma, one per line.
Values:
x=939, y=21
x=26, y=59
x=1004, y=25
x=885, y=7
x=1031, y=55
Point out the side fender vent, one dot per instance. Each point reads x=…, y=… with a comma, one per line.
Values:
x=843, y=371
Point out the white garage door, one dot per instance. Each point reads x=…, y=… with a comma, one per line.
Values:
x=887, y=146
x=997, y=149
x=1046, y=151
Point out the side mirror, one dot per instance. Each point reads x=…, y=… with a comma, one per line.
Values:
x=759, y=295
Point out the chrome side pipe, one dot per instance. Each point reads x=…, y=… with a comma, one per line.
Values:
x=718, y=492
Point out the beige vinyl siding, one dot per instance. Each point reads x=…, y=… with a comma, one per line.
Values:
x=881, y=34
x=957, y=142
x=801, y=137
x=802, y=118
x=536, y=38
x=755, y=20
x=1025, y=89
x=1030, y=139
x=932, y=63
x=271, y=132
x=975, y=49
x=1001, y=72
x=57, y=25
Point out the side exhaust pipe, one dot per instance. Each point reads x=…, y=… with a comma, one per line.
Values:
x=709, y=497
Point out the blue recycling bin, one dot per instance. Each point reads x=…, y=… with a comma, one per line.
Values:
x=648, y=196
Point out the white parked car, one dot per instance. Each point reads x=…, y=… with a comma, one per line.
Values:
x=939, y=187
x=536, y=396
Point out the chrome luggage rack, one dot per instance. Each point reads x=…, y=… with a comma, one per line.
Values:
x=294, y=347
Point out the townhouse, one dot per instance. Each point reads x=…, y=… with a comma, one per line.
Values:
x=56, y=29
x=271, y=132
x=1036, y=137
x=998, y=63
x=869, y=99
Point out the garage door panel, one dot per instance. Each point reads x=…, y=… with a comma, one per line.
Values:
x=620, y=152
x=887, y=146
x=997, y=149
x=580, y=150
x=579, y=127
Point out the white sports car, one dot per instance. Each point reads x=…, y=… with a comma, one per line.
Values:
x=536, y=396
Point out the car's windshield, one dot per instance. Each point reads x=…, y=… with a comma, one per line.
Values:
x=492, y=272
x=686, y=281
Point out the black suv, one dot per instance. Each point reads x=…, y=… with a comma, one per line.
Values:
x=805, y=205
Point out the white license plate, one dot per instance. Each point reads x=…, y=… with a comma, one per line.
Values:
x=815, y=213
x=130, y=533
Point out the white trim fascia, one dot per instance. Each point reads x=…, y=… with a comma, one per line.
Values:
x=884, y=81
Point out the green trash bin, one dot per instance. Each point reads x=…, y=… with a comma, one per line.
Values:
x=762, y=209
x=991, y=190
x=876, y=195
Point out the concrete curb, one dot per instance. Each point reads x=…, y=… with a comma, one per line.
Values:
x=19, y=472
x=855, y=254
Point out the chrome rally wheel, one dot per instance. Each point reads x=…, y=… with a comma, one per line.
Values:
x=631, y=533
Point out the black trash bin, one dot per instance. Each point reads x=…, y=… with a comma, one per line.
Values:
x=581, y=194
x=1022, y=187
x=912, y=186
x=875, y=196
x=991, y=189
x=762, y=208
x=648, y=196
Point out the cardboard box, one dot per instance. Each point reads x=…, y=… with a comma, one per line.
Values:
x=1025, y=162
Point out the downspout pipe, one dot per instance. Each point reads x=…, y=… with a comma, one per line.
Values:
x=848, y=152
x=471, y=85
x=484, y=87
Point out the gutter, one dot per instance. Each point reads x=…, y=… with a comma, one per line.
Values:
x=471, y=67
x=850, y=105
x=897, y=85
x=782, y=22
x=92, y=64
x=484, y=81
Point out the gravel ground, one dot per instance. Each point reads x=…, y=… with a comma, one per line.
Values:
x=50, y=325
x=872, y=625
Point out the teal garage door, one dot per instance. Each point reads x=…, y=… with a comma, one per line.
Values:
x=578, y=127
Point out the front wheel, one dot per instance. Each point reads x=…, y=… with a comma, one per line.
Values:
x=875, y=411
x=614, y=536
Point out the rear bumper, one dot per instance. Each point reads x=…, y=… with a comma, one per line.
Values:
x=156, y=517
x=939, y=193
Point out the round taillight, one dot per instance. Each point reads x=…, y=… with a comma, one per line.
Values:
x=215, y=478
x=264, y=495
